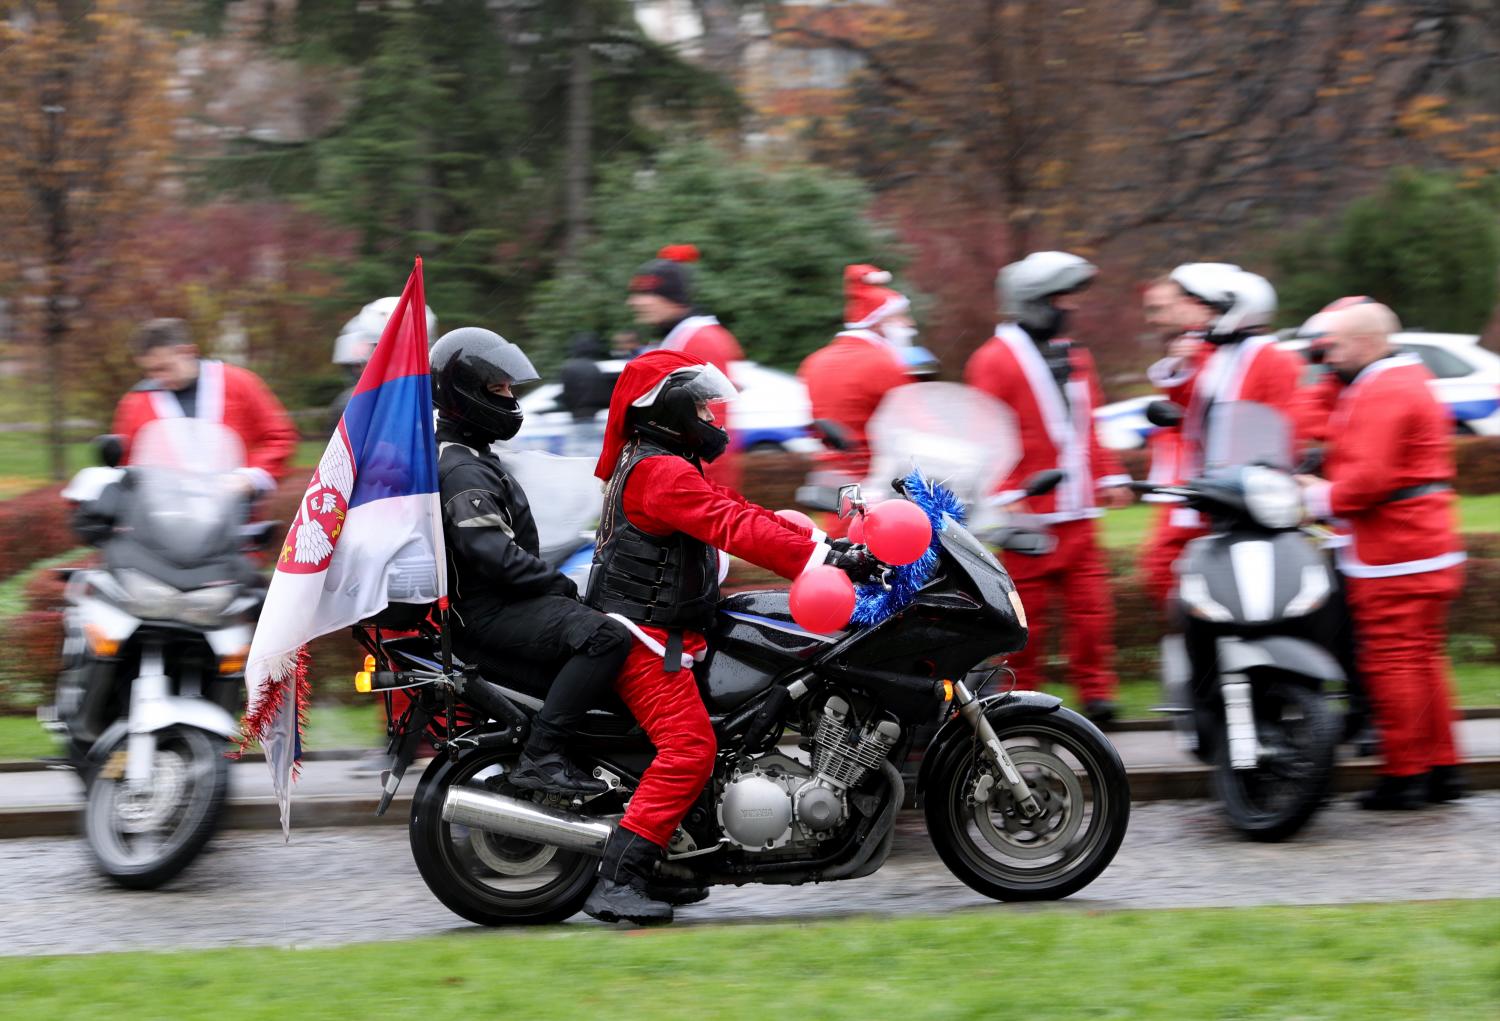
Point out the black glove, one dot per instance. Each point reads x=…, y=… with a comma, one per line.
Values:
x=842, y=545
x=856, y=561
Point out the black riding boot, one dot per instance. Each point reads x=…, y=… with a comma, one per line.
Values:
x=548, y=769
x=1395, y=794
x=625, y=874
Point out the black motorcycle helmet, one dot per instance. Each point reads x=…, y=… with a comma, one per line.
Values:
x=668, y=413
x=465, y=363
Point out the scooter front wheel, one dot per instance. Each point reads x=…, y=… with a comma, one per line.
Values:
x=142, y=836
x=1298, y=737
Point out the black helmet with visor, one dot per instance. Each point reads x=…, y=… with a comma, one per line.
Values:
x=465, y=363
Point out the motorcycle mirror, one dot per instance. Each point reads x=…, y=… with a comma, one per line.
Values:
x=1044, y=481
x=851, y=501
x=833, y=435
x=1029, y=542
x=1164, y=413
x=111, y=450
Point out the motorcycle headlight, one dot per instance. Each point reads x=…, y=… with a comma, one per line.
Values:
x=146, y=597
x=1273, y=498
x=205, y=606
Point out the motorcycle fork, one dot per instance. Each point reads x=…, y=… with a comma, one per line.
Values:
x=972, y=711
x=1239, y=722
x=151, y=686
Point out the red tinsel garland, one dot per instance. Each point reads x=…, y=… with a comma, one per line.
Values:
x=267, y=707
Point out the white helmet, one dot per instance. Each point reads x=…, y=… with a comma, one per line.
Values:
x=1245, y=301
x=360, y=335
x=1024, y=287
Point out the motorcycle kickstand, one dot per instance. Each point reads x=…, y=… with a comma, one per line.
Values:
x=969, y=707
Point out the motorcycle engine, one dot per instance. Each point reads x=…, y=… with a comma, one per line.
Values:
x=780, y=801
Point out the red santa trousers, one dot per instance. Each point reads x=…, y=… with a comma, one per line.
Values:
x=1401, y=635
x=670, y=710
x=1076, y=568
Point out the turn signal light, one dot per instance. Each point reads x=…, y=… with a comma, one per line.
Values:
x=102, y=645
x=362, y=679
x=947, y=691
x=234, y=662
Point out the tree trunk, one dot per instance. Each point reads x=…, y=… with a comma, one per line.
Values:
x=580, y=132
x=54, y=196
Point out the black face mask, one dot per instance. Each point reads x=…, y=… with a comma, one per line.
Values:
x=712, y=441
x=509, y=421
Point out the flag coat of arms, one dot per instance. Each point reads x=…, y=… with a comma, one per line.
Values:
x=367, y=533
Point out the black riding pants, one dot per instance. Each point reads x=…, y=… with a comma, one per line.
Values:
x=581, y=647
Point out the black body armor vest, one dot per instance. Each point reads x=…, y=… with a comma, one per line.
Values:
x=667, y=581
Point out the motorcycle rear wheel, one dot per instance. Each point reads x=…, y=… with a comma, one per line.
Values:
x=189, y=784
x=1277, y=798
x=487, y=878
x=1080, y=781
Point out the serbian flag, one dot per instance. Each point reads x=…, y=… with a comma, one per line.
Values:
x=368, y=533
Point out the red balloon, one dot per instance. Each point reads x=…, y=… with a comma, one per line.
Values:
x=898, y=531
x=857, y=529
x=822, y=599
x=796, y=517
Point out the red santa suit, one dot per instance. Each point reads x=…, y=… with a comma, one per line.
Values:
x=1389, y=471
x=1169, y=534
x=847, y=379
x=1057, y=433
x=1254, y=369
x=228, y=394
x=664, y=495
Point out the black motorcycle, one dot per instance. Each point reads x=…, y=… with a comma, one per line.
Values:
x=154, y=648
x=1253, y=678
x=1024, y=800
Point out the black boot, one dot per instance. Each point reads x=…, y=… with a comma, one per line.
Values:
x=1101, y=712
x=1395, y=794
x=621, y=892
x=1445, y=784
x=677, y=894
x=555, y=773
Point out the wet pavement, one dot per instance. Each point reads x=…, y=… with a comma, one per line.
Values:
x=355, y=885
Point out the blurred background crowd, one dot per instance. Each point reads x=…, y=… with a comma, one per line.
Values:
x=264, y=170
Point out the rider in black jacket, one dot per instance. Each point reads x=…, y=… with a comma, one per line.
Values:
x=508, y=603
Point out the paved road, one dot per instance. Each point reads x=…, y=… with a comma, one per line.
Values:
x=340, y=886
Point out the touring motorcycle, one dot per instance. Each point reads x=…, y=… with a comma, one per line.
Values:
x=154, y=645
x=1023, y=799
x=1255, y=677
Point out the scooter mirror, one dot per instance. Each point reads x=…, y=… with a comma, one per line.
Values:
x=1044, y=481
x=111, y=450
x=1164, y=413
x=851, y=501
x=833, y=435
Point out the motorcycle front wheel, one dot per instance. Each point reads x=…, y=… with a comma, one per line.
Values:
x=488, y=878
x=144, y=836
x=1077, y=778
x=1298, y=736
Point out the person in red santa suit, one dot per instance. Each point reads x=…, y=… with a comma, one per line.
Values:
x=847, y=379
x=1180, y=323
x=179, y=383
x=1388, y=470
x=661, y=298
x=1050, y=384
x=664, y=520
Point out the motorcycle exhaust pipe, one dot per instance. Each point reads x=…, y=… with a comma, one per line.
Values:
x=496, y=813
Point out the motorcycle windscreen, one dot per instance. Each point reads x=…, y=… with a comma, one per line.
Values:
x=1245, y=433
x=957, y=435
x=188, y=505
x=565, y=496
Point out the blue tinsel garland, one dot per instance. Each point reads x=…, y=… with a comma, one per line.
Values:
x=874, y=602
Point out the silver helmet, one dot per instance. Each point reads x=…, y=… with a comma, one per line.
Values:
x=359, y=336
x=1025, y=288
x=1244, y=301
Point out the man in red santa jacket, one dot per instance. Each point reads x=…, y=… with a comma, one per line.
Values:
x=661, y=297
x=663, y=520
x=1181, y=323
x=1050, y=384
x=847, y=379
x=180, y=384
x=1236, y=360
x=1389, y=479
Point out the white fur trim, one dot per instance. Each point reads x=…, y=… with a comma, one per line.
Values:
x=818, y=535
x=683, y=332
x=1110, y=481
x=819, y=556
x=879, y=276
x=1170, y=371
x=892, y=305
x=260, y=477
x=1317, y=497
x=1350, y=564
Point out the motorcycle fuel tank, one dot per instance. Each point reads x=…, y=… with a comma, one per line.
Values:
x=754, y=640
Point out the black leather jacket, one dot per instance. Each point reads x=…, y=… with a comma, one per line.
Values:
x=491, y=535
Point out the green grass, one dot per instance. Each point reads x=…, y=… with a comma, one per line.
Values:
x=1479, y=513
x=1434, y=960
x=329, y=728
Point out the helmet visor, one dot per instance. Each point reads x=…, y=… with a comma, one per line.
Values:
x=509, y=364
x=705, y=383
